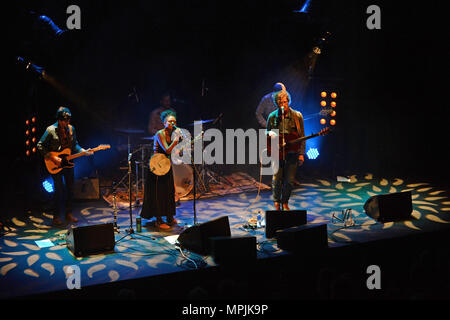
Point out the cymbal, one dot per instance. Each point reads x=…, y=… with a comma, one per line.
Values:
x=130, y=131
x=201, y=122
x=148, y=138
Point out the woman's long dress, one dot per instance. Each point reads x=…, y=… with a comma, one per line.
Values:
x=159, y=191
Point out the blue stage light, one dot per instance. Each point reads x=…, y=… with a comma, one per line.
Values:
x=312, y=153
x=48, y=185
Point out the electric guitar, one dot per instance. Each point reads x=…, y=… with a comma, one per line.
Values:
x=292, y=142
x=66, y=158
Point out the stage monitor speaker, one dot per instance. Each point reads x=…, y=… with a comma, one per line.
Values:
x=233, y=250
x=278, y=220
x=305, y=238
x=389, y=207
x=86, y=189
x=196, y=238
x=86, y=240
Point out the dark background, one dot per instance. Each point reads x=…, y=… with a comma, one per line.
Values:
x=392, y=106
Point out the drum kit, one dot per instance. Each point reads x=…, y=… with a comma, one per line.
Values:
x=159, y=164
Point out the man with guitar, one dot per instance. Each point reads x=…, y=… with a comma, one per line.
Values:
x=57, y=137
x=290, y=126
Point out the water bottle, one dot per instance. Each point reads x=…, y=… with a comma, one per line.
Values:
x=138, y=224
x=258, y=220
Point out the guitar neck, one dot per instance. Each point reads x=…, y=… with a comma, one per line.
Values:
x=76, y=155
x=303, y=138
x=80, y=154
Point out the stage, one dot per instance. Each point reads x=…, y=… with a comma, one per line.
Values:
x=148, y=266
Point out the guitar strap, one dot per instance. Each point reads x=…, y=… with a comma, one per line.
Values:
x=297, y=122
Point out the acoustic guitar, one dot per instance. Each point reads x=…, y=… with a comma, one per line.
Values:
x=66, y=158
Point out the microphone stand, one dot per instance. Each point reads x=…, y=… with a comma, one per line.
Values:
x=130, y=230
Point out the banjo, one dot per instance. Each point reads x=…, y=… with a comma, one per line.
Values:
x=160, y=163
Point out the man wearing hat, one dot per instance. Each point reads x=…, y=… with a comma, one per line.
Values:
x=266, y=106
x=57, y=137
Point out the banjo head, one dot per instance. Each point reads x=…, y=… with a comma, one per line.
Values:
x=159, y=164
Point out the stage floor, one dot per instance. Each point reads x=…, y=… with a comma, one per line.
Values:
x=26, y=269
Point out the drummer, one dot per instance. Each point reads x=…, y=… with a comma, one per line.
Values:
x=154, y=124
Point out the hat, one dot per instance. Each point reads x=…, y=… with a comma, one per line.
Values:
x=279, y=86
x=63, y=113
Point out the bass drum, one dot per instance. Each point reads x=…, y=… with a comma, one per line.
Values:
x=183, y=179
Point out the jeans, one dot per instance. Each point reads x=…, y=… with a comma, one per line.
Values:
x=283, y=179
x=63, y=194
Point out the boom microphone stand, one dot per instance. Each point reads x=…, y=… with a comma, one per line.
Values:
x=130, y=231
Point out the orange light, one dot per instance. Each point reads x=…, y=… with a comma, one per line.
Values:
x=323, y=94
x=323, y=121
x=27, y=132
x=333, y=113
x=332, y=122
x=28, y=152
x=34, y=139
x=323, y=103
x=33, y=130
x=333, y=104
x=27, y=142
x=27, y=122
x=333, y=95
x=34, y=149
x=33, y=119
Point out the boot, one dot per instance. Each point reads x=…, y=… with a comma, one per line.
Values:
x=171, y=221
x=160, y=224
x=277, y=205
x=71, y=218
x=57, y=222
x=286, y=207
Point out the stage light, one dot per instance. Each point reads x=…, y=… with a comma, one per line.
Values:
x=323, y=103
x=34, y=69
x=27, y=132
x=317, y=50
x=323, y=94
x=34, y=149
x=333, y=113
x=333, y=104
x=27, y=142
x=333, y=95
x=323, y=121
x=332, y=122
x=28, y=152
x=27, y=122
x=48, y=185
x=312, y=153
x=33, y=130
x=34, y=139
x=33, y=119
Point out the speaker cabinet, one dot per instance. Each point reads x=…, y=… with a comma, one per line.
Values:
x=196, y=238
x=389, y=207
x=86, y=240
x=233, y=250
x=86, y=189
x=305, y=238
x=278, y=220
